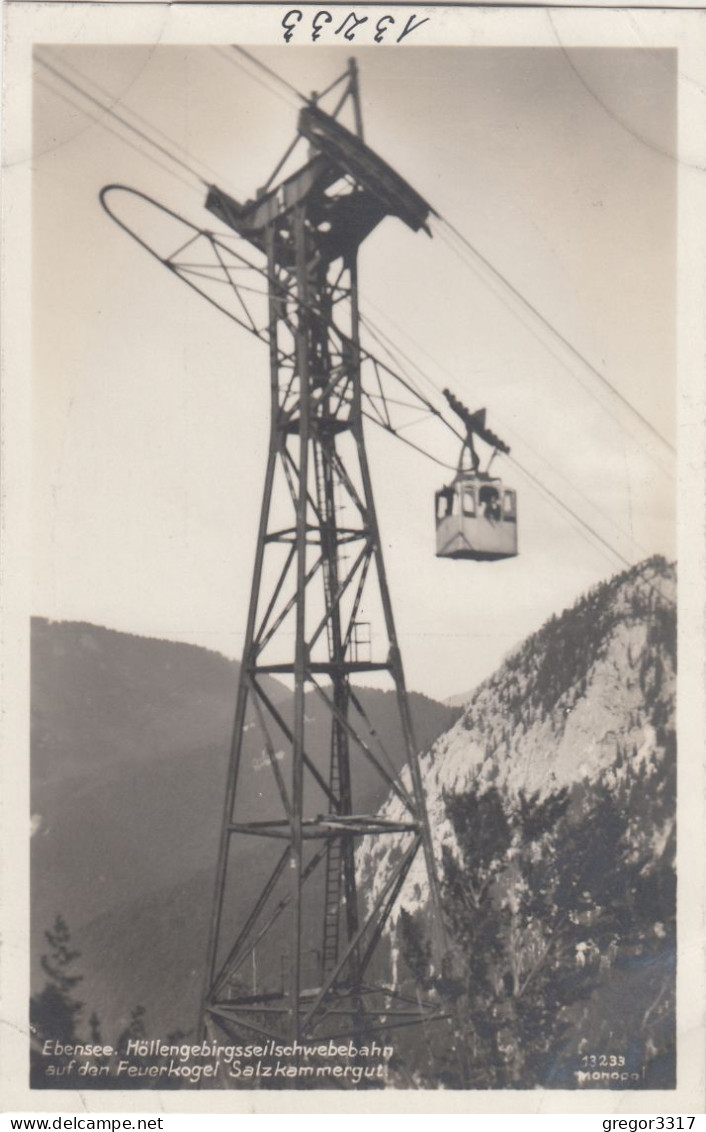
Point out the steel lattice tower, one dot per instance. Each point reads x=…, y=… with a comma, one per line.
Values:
x=304, y=958
x=318, y=563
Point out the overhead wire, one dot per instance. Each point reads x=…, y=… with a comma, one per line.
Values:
x=553, y=330
x=411, y=386
x=586, y=527
x=126, y=141
x=65, y=64
x=273, y=74
x=331, y=86
x=126, y=124
x=394, y=352
x=454, y=231
x=386, y=343
x=384, y=337
x=234, y=62
x=569, y=511
x=582, y=525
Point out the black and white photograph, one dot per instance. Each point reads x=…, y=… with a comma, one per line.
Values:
x=364, y=530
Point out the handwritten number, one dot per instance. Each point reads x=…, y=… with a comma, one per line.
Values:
x=320, y=18
x=349, y=26
x=382, y=26
x=357, y=21
x=289, y=24
x=410, y=26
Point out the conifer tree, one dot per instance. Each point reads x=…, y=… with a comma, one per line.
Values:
x=55, y=1012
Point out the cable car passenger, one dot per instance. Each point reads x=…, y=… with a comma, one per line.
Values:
x=490, y=498
x=445, y=500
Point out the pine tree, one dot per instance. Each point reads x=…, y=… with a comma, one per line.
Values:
x=54, y=1012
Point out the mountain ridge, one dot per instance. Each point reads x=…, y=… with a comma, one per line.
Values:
x=130, y=741
x=565, y=753
x=584, y=714
x=552, y=803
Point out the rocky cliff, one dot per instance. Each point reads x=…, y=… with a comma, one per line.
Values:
x=552, y=808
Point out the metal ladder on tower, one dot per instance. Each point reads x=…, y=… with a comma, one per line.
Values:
x=333, y=883
x=333, y=886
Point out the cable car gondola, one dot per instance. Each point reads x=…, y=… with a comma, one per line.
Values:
x=476, y=514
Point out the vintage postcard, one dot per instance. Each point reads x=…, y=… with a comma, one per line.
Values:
x=353, y=597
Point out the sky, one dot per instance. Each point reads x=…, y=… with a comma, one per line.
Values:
x=150, y=409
